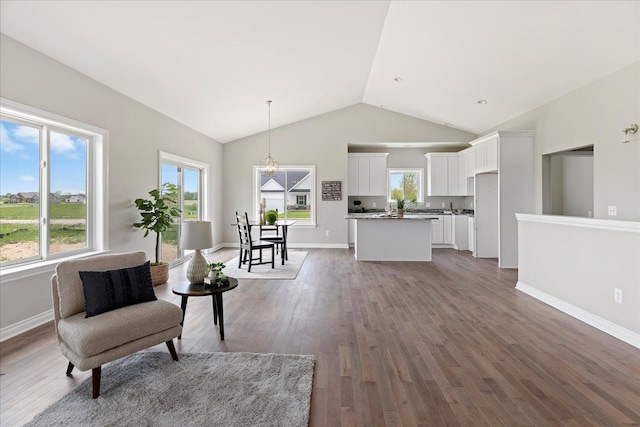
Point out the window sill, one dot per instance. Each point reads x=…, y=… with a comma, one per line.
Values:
x=303, y=226
x=11, y=274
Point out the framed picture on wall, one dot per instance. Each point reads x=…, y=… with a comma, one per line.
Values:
x=331, y=190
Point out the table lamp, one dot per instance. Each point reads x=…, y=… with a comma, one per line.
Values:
x=196, y=235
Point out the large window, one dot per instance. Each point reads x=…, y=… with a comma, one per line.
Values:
x=51, y=185
x=291, y=192
x=405, y=184
x=189, y=177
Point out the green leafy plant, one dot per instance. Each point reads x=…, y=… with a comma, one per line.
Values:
x=400, y=203
x=270, y=217
x=158, y=213
x=216, y=268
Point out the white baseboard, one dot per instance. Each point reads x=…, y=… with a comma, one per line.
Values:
x=298, y=245
x=25, y=325
x=597, y=322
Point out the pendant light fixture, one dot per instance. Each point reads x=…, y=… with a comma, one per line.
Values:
x=268, y=166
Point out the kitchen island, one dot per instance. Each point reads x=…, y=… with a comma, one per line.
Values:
x=380, y=237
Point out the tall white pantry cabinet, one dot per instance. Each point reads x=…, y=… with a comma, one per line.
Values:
x=503, y=187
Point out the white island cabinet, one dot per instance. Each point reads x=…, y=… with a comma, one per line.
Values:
x=384, y=238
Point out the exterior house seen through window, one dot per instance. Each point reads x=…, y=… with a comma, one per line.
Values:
x=291, y=192
x=44, y=187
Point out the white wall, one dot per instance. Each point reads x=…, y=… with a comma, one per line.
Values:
x=574, y=264
x=577, y=185
x=321, y=141
x=136, y=133
x=593, y=115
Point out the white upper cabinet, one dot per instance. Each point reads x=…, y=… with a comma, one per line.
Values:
x=480, y=158
x=462, y=175
x=364, y=186
x=470, y=162
x=353, y=176
x=378, y=176
x=486, y=156
x=367, y=174
x=453, y=179
x=442, y=174
x=491, y=159
x=437, y=174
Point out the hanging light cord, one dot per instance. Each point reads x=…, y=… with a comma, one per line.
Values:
x=268, y=166
x=269, y=132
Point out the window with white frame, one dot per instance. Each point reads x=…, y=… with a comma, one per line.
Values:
x=52, y=185
x=291, y=192
x=189, y=178
x=405, y=184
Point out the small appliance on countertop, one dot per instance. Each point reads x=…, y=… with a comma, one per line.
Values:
x=357, y=208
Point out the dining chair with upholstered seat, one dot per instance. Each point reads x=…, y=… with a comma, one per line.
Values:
x=248, y=245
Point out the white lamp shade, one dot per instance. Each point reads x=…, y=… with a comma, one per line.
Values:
x=196, y=235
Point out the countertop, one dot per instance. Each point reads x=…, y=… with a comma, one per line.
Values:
x=370, y=212
x=385, y=216
x=430, y=214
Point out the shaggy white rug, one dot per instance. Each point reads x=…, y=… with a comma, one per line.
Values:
x=288, y=271
x=201, y=389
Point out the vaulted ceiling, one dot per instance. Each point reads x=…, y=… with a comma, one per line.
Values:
x=211, y=65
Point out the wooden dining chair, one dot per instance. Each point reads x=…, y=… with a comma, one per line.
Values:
x=271, y=233
x=248, y=245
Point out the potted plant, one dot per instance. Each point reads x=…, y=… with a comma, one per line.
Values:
x=270, y=217
x=216, y=276
x=400, y=211
x=158, y=214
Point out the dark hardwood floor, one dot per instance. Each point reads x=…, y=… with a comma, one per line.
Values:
x=449, y=342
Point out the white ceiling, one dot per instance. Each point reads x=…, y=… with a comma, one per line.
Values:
x=212, y=64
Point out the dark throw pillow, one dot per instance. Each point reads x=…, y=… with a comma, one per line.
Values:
x=111, y=289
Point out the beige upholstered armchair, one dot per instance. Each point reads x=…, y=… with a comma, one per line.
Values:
x=109, y=333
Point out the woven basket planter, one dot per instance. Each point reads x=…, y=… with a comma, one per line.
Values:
x=159, y=273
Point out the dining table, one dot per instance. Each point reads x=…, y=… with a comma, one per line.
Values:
x=283, y=224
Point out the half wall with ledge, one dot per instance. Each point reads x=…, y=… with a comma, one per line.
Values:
x=581, y=266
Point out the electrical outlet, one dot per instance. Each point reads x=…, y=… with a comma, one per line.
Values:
x=428, y=204
x=327, y=233
x=470, y=205
x=444, y=204
x=617, y=295
x=613, y=210
x=374, y=204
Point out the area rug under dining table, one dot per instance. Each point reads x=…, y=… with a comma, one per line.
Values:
x=201, y=389
x=288, y=271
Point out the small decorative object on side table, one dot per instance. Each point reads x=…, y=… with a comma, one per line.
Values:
x=216, y=277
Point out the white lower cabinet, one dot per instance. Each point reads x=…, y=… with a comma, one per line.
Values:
x=472, y=235
x=447, y=238
x=437, y=230
x=442, y=230
x=461, y=237
x=352, y=232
